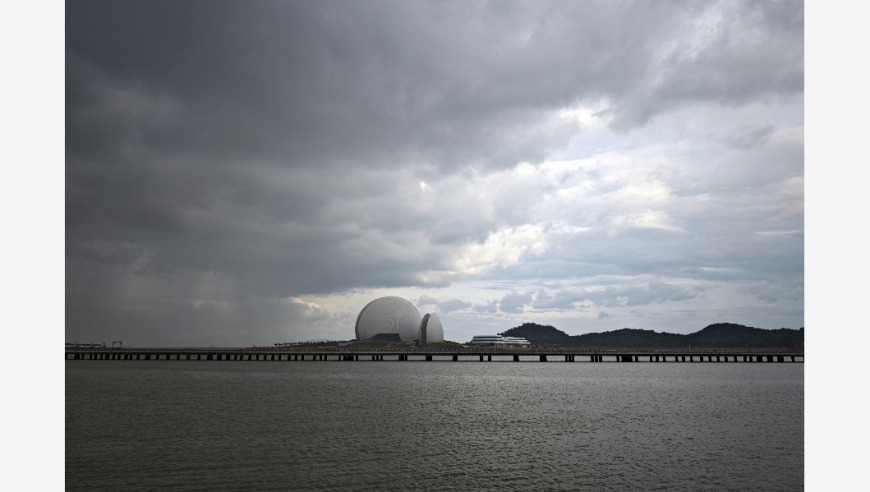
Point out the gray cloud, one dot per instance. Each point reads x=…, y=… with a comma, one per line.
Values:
x=444, y=306
x=655, y=292
x=514, y=302
x=750, y=136
x=564, y=299
x=489, y=307
x=227, y=154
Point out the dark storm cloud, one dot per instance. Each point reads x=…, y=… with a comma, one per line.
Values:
x=731, y=53
x=292, y=148
x=306, y=83
x=303, y=83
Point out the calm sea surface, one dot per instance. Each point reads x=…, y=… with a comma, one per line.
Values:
x=415, y=425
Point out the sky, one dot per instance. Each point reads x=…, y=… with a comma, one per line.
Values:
x=248, y=173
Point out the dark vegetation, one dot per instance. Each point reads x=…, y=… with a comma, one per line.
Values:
x=369, y=344
x=386, y=344
x=446, y=343
x=719, y=335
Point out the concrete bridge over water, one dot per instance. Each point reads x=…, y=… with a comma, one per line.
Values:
x=422, y=354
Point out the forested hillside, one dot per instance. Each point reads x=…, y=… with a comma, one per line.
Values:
x=719, y=335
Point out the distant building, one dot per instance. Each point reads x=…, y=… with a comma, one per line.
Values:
x=430, y=330
x=389, y=318
x=499, y=341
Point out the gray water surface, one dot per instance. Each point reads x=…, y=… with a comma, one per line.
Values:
x=330, y=425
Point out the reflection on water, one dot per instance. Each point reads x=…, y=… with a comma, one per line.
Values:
x=433, y=426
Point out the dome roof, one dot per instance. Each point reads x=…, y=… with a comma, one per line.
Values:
x=388, y=315
x=433, y=329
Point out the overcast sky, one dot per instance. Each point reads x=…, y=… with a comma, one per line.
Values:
x=243, y=173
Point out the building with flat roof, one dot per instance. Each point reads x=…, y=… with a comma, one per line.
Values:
x=499, y=341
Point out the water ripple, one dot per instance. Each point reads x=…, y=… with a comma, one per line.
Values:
x=432, y=426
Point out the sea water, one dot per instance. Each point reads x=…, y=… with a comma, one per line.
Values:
x=438, y=425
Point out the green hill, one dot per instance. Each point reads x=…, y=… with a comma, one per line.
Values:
x=719, y=335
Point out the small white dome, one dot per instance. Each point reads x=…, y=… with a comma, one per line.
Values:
x=431, y=324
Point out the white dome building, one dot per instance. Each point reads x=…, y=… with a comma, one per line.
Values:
x=389, y=315
x=430, y=330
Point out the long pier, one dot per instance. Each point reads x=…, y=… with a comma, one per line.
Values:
x=482, y=355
